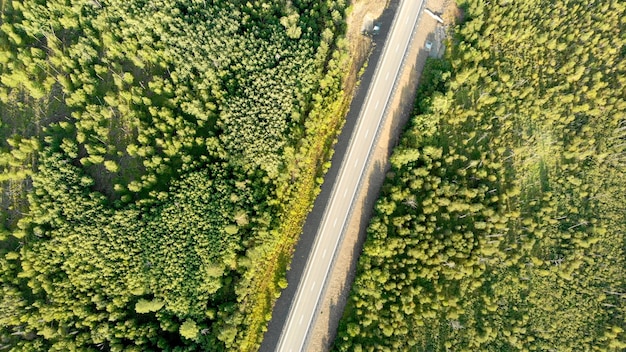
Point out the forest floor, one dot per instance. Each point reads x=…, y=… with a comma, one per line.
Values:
x=399, y=111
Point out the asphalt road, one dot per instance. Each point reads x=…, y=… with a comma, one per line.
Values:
x=304, y=306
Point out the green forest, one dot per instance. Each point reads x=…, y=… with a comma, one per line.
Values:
x=157, y=160
x=500, y=226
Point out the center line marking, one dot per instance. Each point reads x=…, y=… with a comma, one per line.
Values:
x=366, y=133
x=345, y=192
x=356, y=162
x=335, y=223
x=313, y=286
x=387, y=76
x=397, y=47
x=301, y=317
x=324, y=254
x=376, y=107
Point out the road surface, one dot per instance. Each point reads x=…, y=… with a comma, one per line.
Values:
x=304, y=306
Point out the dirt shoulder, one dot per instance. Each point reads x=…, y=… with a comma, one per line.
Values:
x=343, y=272
x=360, y=19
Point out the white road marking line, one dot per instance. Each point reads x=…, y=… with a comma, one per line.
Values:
x=345, y=192
x=377, y=103
x=387, y=76
x=335, y=223
x=356, y=162
x=397, y=47
x=367, y=133
x=407, y=21
x=301, y=317
x=324, y=254
x=313, y=286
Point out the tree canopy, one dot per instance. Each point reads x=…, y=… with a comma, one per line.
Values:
x=149, y=153
x=500, y=225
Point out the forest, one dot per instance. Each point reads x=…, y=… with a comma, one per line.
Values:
x=500, y=226
x=157, y=160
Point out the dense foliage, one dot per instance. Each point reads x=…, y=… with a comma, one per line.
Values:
x=157, y=160
x=501, y=224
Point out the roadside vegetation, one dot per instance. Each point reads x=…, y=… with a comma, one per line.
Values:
x=500, y=226
x=157, y=161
